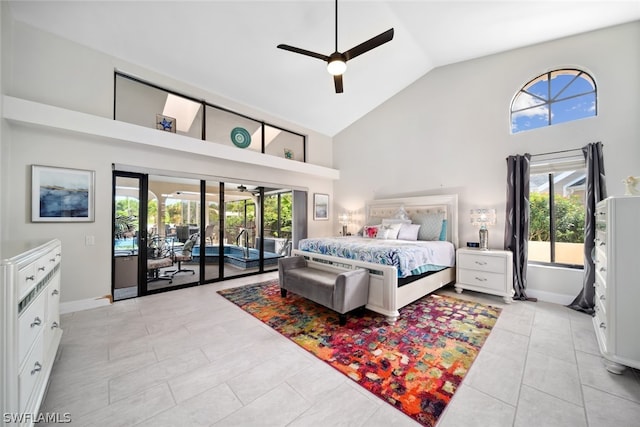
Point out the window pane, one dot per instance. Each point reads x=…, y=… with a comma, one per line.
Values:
x=539, y=235
x=567, y=244
x=147, y=106
x=234, y=130
x=285, y=144
x=573, y=109
x=528, y=113
x=569, y=95
x=539, y=87
x=576, y=86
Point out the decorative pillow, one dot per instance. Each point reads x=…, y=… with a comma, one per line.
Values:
x=408, y=232
x=388, y=231
x=383, y=233
x=443, y=230
x=370, y=231
x=430, y=225
x=394, y=226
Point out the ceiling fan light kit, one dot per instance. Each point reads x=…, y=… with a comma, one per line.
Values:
x=337, y=62
x=336, y=65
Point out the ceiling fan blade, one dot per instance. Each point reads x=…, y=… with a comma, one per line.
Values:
x=303, y=52
x=337, y=81
x=369, y=44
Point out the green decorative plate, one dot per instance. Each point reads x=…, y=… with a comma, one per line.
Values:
x=240, y=137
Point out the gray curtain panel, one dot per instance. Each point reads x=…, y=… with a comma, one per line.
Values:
x=516, y=233
x=596, y=191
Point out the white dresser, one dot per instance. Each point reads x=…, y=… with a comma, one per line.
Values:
x=489, y=271
x=30, y=329
x=617, y=282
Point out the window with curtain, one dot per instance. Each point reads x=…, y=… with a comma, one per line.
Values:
x=557, y=188
x=554, y=97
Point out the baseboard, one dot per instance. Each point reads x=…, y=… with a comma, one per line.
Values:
x=550, y=297
x=85, y=304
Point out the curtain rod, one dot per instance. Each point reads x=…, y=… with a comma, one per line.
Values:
x=557, y=152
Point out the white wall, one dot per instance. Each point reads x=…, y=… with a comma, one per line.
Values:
x=51, y=70
x=450, y=131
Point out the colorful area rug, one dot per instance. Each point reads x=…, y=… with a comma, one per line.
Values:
x=416, y=364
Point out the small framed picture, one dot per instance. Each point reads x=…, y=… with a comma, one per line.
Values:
x=62, y=195
x=320, y=206
x=165, y=123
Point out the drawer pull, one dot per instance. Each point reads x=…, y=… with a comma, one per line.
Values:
x=37, y=367
x=58, y=254
x=603, y=325
x=41, y=268
x=481, y=262
x=602, y=297
x=30, y=277
x=54, y=325
x=36, y=322
x=603, y=269
x=481, y=279
x=52, y=260
x=55, y=292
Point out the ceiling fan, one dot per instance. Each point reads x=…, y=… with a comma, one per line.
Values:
x=337, y=62
x=243, y=189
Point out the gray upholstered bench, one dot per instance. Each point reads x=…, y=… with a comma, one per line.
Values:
x=341, y=291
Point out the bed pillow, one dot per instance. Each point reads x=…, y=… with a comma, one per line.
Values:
x=370, y=231
x=443, y=230
x=394, y=226
x=430, y=225
x=409, y=232
x=383, y=233
x=388, y=231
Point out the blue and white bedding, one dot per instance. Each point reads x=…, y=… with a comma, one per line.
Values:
x=409, y=257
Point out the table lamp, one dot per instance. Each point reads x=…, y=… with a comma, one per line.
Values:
x=482, y=218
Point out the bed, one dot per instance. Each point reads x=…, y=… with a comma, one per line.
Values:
x=400, y=270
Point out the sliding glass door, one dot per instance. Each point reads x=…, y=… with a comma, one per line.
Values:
x=127, y=235
x=171, y=232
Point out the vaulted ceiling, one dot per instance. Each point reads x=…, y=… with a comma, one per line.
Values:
x=229, y=47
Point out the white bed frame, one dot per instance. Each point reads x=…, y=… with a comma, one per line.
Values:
x=385, y=297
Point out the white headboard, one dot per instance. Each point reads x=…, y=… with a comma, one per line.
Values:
x=446, y=204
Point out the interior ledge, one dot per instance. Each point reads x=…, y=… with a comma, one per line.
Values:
x=35, y=113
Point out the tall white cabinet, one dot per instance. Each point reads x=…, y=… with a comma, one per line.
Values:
x=30, y=326
x=617, y=284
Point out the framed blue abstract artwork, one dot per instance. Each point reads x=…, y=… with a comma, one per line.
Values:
x=61, y=194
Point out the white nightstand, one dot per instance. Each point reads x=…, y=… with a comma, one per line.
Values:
x=489, y=271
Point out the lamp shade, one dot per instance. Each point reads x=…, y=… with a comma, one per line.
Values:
x=480, y=217
x=343, y=218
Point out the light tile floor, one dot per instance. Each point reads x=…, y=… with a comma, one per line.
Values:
x=191, y=358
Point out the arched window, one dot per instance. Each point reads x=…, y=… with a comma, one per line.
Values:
x=554, y=97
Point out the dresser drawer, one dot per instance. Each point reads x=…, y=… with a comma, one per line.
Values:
x=484, y=279
x=46, y=263
x=600, y=265
x=53, y=312
x=601, y=294
x=30, y=373
x=30, y=325
x=602, y=335
x=600, y=307
x=26, y=279
x=494, y=264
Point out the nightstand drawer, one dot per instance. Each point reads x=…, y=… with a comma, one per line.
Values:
x=485, y=279
x=482, y=262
